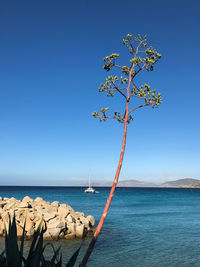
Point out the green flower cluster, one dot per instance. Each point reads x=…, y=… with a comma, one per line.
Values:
x=151, y=97
x=110, y=61
x=143, y=57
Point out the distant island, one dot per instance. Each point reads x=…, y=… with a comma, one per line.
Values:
x=196, y=185
x=180, y=183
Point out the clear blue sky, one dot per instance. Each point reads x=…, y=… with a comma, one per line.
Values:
x=51, y=57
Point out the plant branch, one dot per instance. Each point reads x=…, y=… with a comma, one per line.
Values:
x=135, y=84
x=140, y=68
x=137, y=108
x=106, y=117
x=129, y=82
x=137, y=96
x=138, y=48
x=118, y=90
x=131, y=44
x=117, y=66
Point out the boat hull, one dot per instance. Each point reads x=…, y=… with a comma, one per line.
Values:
x=90, y=190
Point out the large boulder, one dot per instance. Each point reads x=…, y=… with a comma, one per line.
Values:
x=71, y=228
x=85, y=221
x=70, y=219
x=27, y=199
x=24, y=205
x=2, y=203
x=91, y=220
x=58, y=220
x=56, y=223
x=48, y=216
x=80, y=230
x=54, y=233
x=38, y=199
x=63, y=211
x=29, y=224
x=55, y=204
x=38, y=223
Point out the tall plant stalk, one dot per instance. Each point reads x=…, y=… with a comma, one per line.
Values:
x=103, y=217
x=127, y=88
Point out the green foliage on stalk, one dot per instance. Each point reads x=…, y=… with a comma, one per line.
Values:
x=142, y=57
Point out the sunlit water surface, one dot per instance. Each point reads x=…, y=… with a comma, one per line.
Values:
x=144, y=226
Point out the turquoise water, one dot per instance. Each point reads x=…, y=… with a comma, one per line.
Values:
x=144, y=226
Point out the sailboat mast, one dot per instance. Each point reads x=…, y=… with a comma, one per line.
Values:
x=89, y=181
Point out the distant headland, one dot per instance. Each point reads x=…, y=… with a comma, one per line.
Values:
x=180, y=183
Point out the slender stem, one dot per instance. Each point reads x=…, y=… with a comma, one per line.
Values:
x=137, y=96
x=140, y=68
x=118, y=89
x=138, y=48
x=117, y=66
x=135, y=84
x=129, y=82
x=103, y=217
x=106, y=117
x=141, y=106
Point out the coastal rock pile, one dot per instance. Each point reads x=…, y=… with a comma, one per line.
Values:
x=59, y=220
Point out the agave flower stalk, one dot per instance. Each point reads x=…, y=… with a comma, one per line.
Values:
x=142, y=58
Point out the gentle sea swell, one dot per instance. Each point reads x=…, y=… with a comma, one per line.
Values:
x=144, y=227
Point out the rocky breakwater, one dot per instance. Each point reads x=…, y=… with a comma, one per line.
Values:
x=59, y=220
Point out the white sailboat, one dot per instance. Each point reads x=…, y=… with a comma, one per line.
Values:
x=90, y=189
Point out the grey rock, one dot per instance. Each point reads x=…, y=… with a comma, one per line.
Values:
x=27, y=199
x=71, y=228
x=59, y=220
x=63, y=211
x=91, y=220
x=49, y=216
x=54, y=232
x=79, y=230
x=70, y=219
x=38, y=199
x=85, y=221
x=55, y=204
x=24, y=205
x=56, y=224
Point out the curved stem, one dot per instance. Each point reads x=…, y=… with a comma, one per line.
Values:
x=103, y=217
x=141, y=106
x=118, y=90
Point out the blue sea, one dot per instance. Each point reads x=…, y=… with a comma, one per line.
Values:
x=144, y=227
